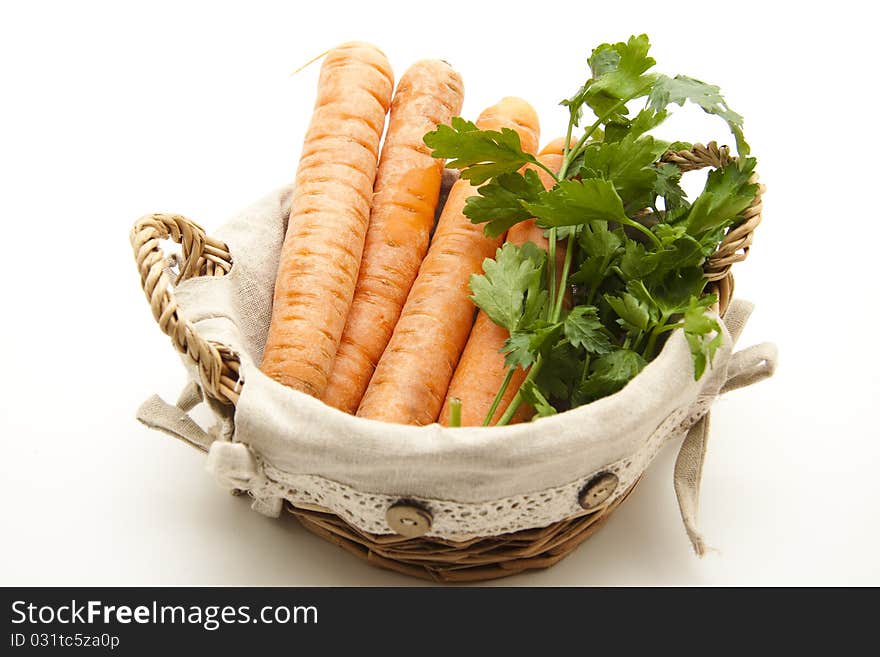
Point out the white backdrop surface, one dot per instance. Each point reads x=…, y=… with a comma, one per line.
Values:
x=113, y=110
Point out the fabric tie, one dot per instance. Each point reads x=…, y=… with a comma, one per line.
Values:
x=156, y=413
x=745, y=368
x=233, y=465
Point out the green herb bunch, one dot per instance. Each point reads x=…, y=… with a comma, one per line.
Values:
x=634, y=245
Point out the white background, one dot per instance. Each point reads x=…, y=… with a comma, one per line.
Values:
x=114, y=110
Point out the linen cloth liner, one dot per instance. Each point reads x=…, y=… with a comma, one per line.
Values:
x=357, y=467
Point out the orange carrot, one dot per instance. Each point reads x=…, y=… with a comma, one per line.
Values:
x=410, y=381
x=329, y=212
x=481, y=370
x=556, y=146
x=404, y=200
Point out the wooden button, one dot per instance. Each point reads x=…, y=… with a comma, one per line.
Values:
x=408, y=520
x=598, y=489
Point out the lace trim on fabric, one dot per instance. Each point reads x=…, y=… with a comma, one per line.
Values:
x=461, y=521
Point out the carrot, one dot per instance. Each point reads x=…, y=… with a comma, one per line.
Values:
x=410, y=381
x=481, y=369
x=404, y=200
x=321, y=255
x=555, y=147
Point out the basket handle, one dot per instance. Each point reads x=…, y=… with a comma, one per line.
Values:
x=200, y=256
x=735, y=245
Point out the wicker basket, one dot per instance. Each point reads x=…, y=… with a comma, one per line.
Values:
x=406, y=552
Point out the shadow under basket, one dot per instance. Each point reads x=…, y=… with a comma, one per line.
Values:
x=218, y=374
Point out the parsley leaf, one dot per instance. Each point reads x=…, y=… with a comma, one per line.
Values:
x=668, y=185
x=564, y=232
x=544, y=335
x=601, y=246
x=727, y=193
x=683, y=253
x=524, y=346
x=518, y=350
x=647, y=119
x=682, y=88
x=629, y=164
x=510, y=289
x=591, y=272
x=635, y=262
x=703, y=333
x=671, y=230
x=561, y=368
x=533, y=396
x=618, y=74
x=610, y=373
x=596, y=240
x=574, y=202
x=674, y=292
x=479, y=154
x=583, y=328
x=500, y=202
x=634, y=314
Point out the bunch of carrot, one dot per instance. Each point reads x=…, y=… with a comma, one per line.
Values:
x=371, y=307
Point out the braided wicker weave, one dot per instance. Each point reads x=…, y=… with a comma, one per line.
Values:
x=427, y=558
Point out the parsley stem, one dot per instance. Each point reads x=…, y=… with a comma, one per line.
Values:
x=454, y=412
x=638, y=340
x=652, y=341
x=499, y=395
x=589, y=133
x=586, y=372
x=563, y=171
x=656, y=332
x=671, y=327
x=566, y=266
x=517, y=400
x=566, y=149
x=547, y=169
x=551, y=272
x=642, y=229
x=595, y=286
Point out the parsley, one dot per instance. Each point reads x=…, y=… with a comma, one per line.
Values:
x=633, y=315
x=500, y=203
x=609, y=374
x=727, y=193
x=509, y=290
x=479, y=154
x=582, y=328
x=703, y=333
x=634, y=244
x=532, y=394
x=575, y=202
x=682, y=88
x=628, y=164
x=618, y=76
